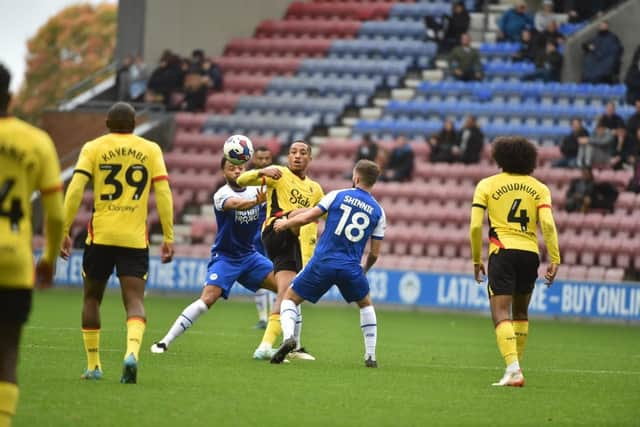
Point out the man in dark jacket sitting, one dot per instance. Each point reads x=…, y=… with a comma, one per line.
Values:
x=570, y=143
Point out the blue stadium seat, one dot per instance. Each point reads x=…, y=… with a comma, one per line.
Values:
x=420, y=10
x=392, y=28
x=499, y=49
x=397, y=48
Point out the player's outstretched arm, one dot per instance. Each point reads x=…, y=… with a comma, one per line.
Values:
x=259, y=176
x=72, y=200
x=372, y=256
x=550, y=236
x=299, y=220
x=164, y=203
x=475, y=235
x=240, y=204
x=54, y=223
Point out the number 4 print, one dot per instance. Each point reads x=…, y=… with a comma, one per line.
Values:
x=15, y=212
x=522, y=219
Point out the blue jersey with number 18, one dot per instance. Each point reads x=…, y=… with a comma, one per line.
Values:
x=353, y=216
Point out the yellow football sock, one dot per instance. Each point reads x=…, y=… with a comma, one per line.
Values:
x=506, y=338
x=8, y=403
x=91, y=338
x=521, y=329
x=135, y=331
x=273, y=331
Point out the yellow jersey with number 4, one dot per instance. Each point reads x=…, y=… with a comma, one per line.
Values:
x=123, y=167
x=28, y=162
x=512, y=203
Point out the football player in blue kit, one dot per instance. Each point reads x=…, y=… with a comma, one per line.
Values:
x=353, y=218
x=233, y=255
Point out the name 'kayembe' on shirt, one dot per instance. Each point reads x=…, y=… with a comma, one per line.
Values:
x=124, y=151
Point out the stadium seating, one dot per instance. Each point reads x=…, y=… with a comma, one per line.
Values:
x=328, y=56
x=340, y=10
x=429, y=216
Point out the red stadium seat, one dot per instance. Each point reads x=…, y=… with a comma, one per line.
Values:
x=302, y=47
x=614, y=275
x=179, y=161
x=346, y=10
x=595, y=274
x=308, y=28
x=190, y=122
x=222, y=102
x=578, y=272
x=246, y=83
x=257, y=65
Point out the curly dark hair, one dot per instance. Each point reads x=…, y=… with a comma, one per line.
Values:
x=5, y=80
x=515, y=154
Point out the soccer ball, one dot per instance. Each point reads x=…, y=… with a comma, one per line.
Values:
x=238, y=149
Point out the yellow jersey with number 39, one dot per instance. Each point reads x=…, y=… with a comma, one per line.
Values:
x=28, y=162
x=513, y=203
x=122, y=167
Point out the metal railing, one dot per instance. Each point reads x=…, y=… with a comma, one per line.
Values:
x=89, y=82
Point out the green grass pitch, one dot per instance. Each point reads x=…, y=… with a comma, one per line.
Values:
x=435, y=369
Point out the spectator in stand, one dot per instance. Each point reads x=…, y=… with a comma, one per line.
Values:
x=527, y=51
x=570, y=144
x=471, y=142
x=634, y=182
x=399, y=167
x=550, y=34
x=165, y=80
x=596, y=152
x=544, y=16
x=632, y=78
x=623, y=150
x=610, y=119
x=202, y=76
x=580, y=193
x=633, y=124
x=444, y=145
x=207, y=68
x=585, y=194
x=122, y=78
x=195, y=90
x=456, y=26
x=513, y=21
x=465, y=61
x=447, y=31
x=584, y=10
x=138, y=75
x=367, y=150
x=603, y=56
x=548, y=66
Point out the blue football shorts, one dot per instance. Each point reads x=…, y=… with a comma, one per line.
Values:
x=250, y=271
x=317, y=278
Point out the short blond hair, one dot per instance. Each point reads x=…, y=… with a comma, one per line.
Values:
x=368, y=172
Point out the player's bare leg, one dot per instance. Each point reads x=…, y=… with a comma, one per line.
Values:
x=288, y=318
x=283, y=279
x=210, y=294
x=506, y=340
x=520, y=311
x=92, y=298
x=261, y=299
x=369, y=326
x=133, y=298
x=9, y=344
